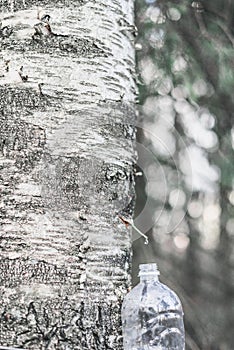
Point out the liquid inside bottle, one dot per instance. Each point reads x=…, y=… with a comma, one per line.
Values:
x=152, y=315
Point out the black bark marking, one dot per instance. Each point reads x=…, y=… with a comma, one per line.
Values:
x=17, y=5
x=15, y=272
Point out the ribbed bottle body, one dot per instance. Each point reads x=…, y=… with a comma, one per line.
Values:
x=152, y=318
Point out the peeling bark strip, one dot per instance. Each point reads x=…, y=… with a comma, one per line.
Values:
x=67, y=95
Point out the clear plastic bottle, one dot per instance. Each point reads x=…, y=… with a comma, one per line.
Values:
x=152, y=315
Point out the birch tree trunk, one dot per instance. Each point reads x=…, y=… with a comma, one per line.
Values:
x=66, y=160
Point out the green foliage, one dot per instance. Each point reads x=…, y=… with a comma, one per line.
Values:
x=191, y=45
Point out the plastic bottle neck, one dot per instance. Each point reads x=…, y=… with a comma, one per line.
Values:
x=148, y=272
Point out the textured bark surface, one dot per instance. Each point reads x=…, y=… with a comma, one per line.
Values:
x=66, y=172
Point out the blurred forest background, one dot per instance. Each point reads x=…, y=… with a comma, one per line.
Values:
x=186, y=139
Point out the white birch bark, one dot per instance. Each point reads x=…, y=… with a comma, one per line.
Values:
x=66, y=172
